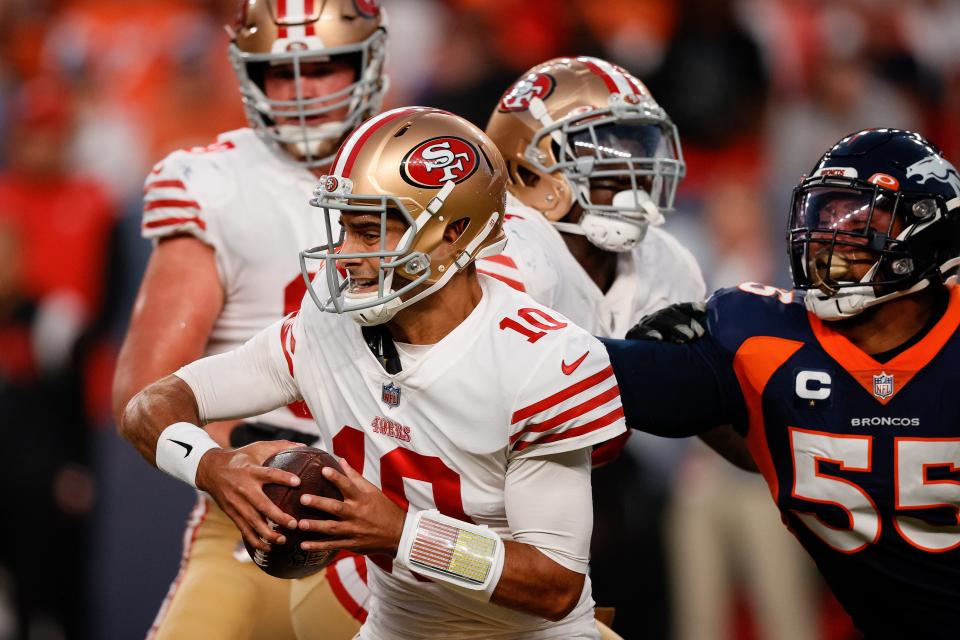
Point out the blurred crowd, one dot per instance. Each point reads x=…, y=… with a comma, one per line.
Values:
x=92, y=92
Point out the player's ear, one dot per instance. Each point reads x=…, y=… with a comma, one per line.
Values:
x=455, y=229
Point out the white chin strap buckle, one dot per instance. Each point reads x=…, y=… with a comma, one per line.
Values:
x=638, y=203
x=624, y=229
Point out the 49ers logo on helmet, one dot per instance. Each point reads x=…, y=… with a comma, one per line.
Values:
x=534, y=85
x=436, y=161
x=367, y=8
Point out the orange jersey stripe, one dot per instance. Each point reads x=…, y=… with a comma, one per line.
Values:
x=755, y=362
x=904, y=366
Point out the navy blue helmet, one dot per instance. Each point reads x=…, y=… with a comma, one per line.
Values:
x=881, y=197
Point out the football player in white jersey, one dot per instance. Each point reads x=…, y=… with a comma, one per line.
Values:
x=463, y=411
x=588, y=147
x=593, y=165
x=226, y=221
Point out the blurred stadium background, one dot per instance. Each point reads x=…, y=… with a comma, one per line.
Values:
x=92, y=92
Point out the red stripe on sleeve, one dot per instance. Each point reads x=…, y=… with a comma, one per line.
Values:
x=560, y=396
x=599, y=423
x=569, y=414
x=516, y=284
x=165, y=222
x=168, y=204
x=161, y=184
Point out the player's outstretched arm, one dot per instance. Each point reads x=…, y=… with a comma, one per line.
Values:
x=681, y=324
x=675, y=390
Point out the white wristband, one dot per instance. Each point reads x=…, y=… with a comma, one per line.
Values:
x=453, y=551
x=179, y=449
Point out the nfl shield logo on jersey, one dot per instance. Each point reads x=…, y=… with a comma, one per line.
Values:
x=882, y=385
x=391, y=394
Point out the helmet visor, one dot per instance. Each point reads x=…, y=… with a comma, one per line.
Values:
x=841, y=235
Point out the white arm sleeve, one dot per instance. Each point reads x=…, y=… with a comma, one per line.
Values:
x=549, y=506
x=248, y=381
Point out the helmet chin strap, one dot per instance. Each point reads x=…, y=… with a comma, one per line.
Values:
x=384, y=312
x=851, y=301
x=377, y=314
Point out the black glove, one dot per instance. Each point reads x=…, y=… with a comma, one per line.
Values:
x=678, y=323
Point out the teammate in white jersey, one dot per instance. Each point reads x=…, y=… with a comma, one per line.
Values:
x=227, y=221
x=468, y=408
x=593, y=165
x=588, y=147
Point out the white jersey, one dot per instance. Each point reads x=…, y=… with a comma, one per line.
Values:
x=251, y=206
x=658, y=272
x=514, y=380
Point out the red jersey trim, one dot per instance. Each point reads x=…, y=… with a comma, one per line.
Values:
x=904, y=366
x=560, y=396
x=510, y=282
x=171, y=204
x=607, y=452
x=286, y=337
x=166, y=222
x=354, y=608
x=164, y=184
x=755, y=362
x=595, y=425
x=507, y=261
x=569, y=414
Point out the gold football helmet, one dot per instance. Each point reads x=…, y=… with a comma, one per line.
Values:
x=433, y=169
x=572, y=120
x=298, y=32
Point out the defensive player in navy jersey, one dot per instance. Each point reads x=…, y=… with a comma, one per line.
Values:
x=847, y=389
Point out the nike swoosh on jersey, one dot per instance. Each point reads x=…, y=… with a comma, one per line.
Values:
x=188, y=447
x=570, y=368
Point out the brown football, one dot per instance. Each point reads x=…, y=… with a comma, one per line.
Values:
x=288, y=560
